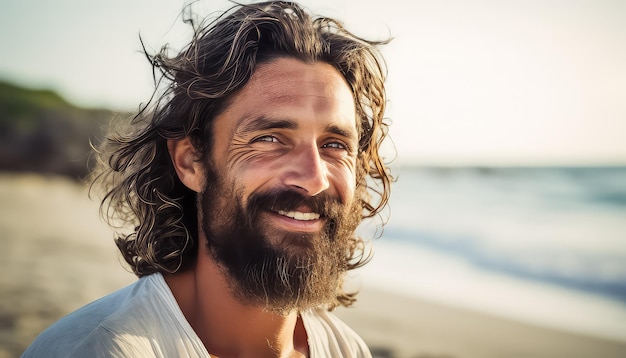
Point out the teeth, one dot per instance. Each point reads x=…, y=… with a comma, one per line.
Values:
x=299, y=215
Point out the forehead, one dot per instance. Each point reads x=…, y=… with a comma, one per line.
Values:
x=280, y=77
x=287, y=88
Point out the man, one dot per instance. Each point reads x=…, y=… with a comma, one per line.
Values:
x=245, y=181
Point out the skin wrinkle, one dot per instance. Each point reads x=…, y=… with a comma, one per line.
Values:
x=243, y=152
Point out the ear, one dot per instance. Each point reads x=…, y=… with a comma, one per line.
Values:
x=185, y=159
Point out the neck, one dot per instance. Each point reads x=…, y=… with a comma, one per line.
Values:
x=228, y=328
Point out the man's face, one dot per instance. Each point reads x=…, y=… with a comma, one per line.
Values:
x=278, y=208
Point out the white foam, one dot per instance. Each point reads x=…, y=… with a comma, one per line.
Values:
x=430, y=275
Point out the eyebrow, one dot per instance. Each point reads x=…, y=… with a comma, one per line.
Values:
x=341, y=131
x=265, y=123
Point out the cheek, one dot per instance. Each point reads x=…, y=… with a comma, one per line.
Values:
x=343, y=180
x=257, y=166
x=245, y=176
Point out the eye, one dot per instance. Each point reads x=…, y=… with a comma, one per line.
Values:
x=266, y=138
x=335, y=145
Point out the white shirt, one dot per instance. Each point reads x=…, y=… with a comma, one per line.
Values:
x=144, y=320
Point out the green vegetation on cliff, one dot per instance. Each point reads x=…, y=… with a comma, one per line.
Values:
x=42, y=132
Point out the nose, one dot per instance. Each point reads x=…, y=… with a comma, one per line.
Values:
x=306, y=171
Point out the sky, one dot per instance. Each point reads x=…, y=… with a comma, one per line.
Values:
x=488, y=83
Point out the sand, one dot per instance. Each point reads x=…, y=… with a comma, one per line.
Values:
x=409, y=328
x=57, y=255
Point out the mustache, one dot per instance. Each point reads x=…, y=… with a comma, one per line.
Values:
x=289, y=200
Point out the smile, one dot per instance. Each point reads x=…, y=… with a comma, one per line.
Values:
x=297, y=215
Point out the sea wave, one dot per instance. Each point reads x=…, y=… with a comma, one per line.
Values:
x=469, y=235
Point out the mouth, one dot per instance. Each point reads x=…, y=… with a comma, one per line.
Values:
x=298, y=215
x=298, y=220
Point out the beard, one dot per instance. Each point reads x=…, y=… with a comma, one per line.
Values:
x=276, y=269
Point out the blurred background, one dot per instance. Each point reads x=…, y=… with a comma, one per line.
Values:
x=509, y=145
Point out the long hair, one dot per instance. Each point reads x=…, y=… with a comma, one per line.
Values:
x=135, y=171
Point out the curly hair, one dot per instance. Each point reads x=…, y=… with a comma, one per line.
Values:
x=135, y=172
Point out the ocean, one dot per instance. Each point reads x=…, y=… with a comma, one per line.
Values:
x=542, y=245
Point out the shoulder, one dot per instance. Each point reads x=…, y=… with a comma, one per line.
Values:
x=330, y=337
x=101, y=327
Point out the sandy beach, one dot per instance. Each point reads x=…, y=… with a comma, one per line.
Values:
x=397, y=326
x=57, y=255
